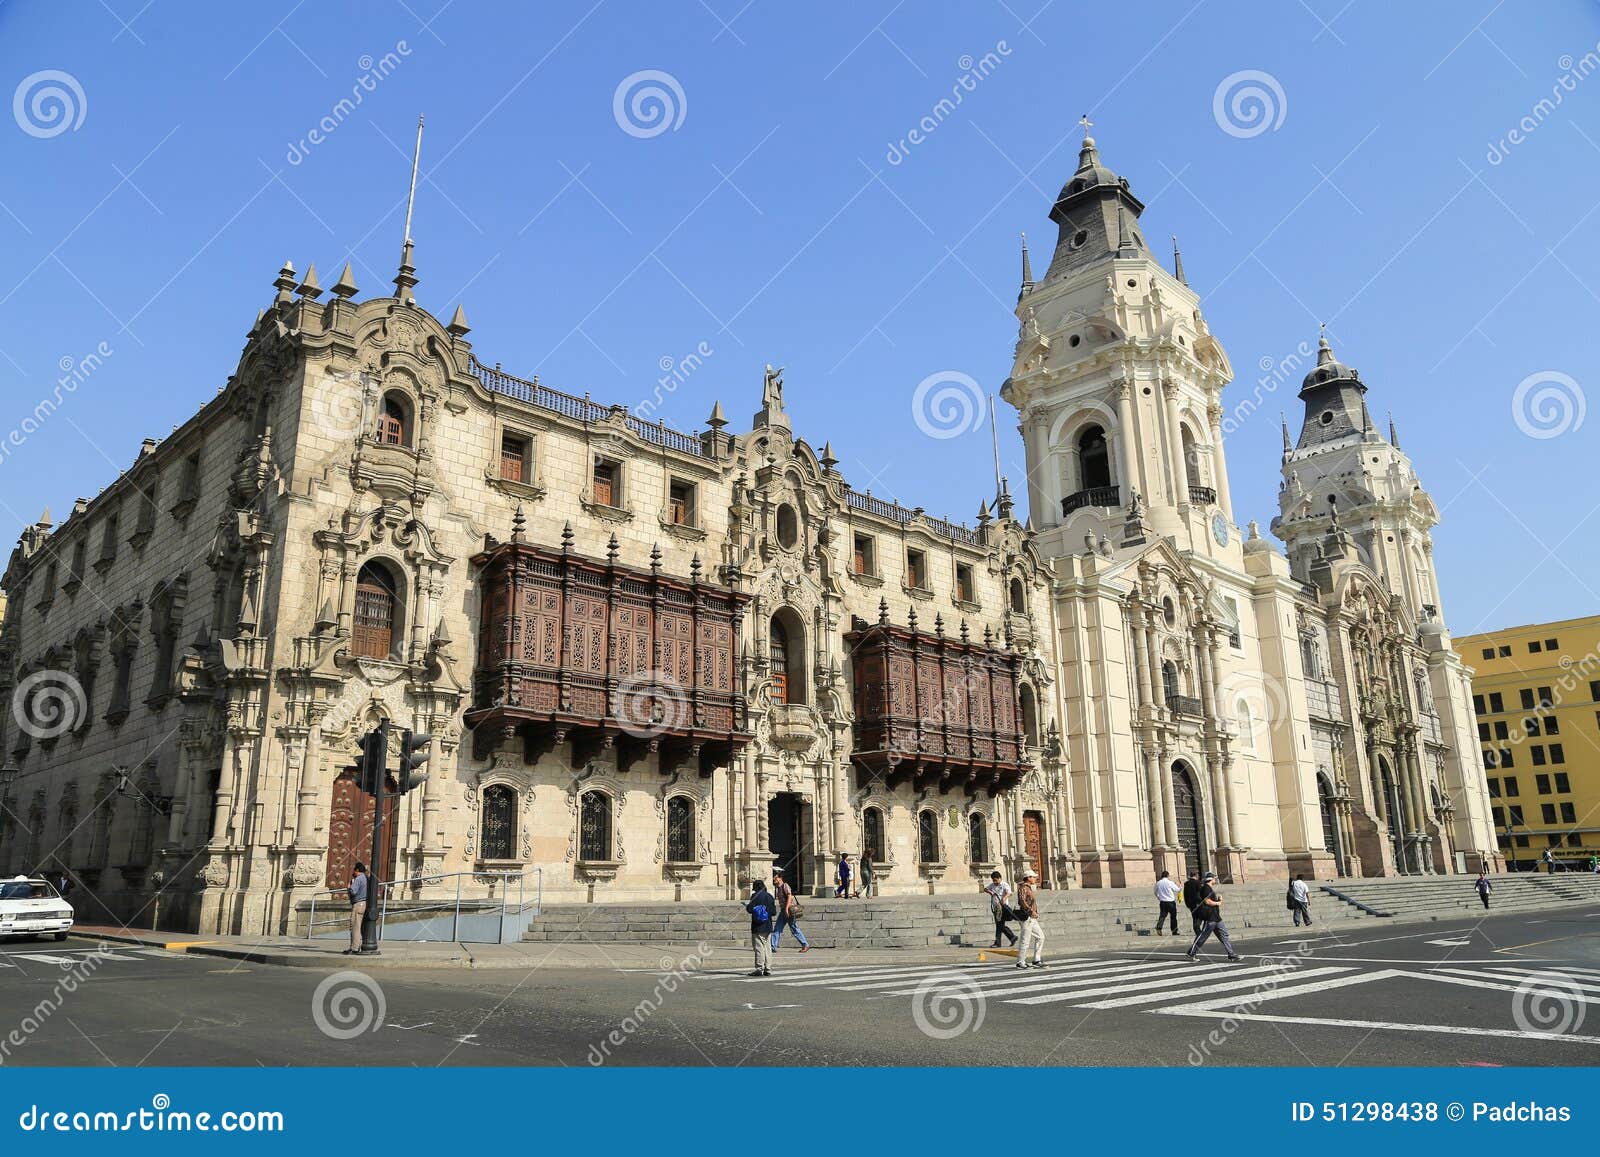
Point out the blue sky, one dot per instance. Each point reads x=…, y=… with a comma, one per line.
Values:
x=770, y=223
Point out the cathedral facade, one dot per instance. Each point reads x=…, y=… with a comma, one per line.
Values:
x=653, y=665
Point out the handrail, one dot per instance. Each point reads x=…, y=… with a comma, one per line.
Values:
x=894, y=512
x=385, y=888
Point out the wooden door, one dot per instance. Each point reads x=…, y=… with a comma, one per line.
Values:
x=1033, y=841
x=1186, y=803
x=350, y=830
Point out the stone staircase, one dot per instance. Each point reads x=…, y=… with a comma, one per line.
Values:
x=1082, y=919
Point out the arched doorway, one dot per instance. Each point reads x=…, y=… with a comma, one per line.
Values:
x=1190, y=814
x=1094, y=459
x=1391, y=805
x=1330, y=824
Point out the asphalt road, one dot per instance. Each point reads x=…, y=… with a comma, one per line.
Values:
x=1506, y=990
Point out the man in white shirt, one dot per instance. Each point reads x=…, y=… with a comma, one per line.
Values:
x=1300, y=900
x=1167, y=897
x=999, y=892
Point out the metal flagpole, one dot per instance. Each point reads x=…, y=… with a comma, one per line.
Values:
x=994, y=434
x=416, y=156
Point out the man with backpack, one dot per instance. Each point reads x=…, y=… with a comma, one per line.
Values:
x=762, y=907
x=1210, y=914
x=1300, y=901
x=788, y=912
x=999, y=892
x=1191, y=899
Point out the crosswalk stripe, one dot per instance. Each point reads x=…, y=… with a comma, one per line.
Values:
x=1167, y=977
x=1322, y=985
x=1585, y=974
x=1525, y=976
x=1149, y=991
x=877, y=980
x=45, y=958
x=1013, y=979
x=810, y=975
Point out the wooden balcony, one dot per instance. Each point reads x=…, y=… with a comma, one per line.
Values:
x=606, y=654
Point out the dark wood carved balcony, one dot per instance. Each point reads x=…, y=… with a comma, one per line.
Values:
x=935, y=711
x=604, y=654
x=1202, y=495
x=1095, y=496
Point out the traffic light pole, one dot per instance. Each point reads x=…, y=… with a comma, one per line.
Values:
x=369, y=921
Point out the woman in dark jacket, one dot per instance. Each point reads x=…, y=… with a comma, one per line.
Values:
x=763, y=908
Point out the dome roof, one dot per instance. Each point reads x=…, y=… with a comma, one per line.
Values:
x=1329, y=369
x=1091, y=173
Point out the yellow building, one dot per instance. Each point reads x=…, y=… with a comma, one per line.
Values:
x=1536, y=692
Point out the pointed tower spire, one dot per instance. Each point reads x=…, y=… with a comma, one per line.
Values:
x=458, y=326
x=1283, y=421
x=345, y=287
x=1027, y=269
x=1394, y=438
x=1177, y=262
x=308, y=286
x=1324, y=350
x=284, y=283
x=406, y=279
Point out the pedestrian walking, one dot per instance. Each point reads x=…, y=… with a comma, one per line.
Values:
x=357, y=891
x=999, y=894
x=789, y=912
x=1032, y=931
x=1300, y=901
x=1167, y=902
x=1550, y=865
x=1484, y=888
x=865, y=887
x=1191, y=899
x=1211, y=925
x=842, y=877
x=762, y=907
x=63, y=883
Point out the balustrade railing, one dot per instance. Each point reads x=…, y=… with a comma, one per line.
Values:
x=1095, y=496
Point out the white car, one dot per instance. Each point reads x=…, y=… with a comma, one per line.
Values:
x=30, y=907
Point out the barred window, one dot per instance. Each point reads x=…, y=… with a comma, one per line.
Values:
x=680, y=830
x=498, y=839
x=928, y=837
x=872, y=833
x=978, y=839
x=594, y=826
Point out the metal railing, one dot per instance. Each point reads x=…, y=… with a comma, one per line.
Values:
x=1205, y=495
x=535, y=393
x=1096, y=496
x=460, y=919
x=1184, y=704
x=893, y=511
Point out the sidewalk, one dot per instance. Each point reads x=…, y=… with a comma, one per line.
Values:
x=294, y=952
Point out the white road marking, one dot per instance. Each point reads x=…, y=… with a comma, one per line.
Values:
x=874, y=979
x=410, y=1027
x=44, y=958
x=1021, y=980
x=1207, y=1006
x=829, y=975
x=1504, y=983
x=769, y=1007
x=1452, y=943
x=1239, y=980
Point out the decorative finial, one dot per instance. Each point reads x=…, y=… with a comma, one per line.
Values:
x=308, y=287
x=883, y=606
x=1324, y=350
x=1027, y=267
x=984, y=517
x=1288, y=446
x=828, y=459
x=966, y=635
x=345, y=287
x=938, y=625
x=655, y=556
x=695, y=568
x=911, y=618
x=458, y=326
x=566, y=539
x=1177, y=262
x=519, y=525
x=612, y=549
x=718, y=419
x=1394, y=438
x=988, y=636
x=284, y=283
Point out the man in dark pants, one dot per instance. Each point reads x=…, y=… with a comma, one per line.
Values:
x=999, y=892
x=1191, y=900
x=763, y=909
x=1484, y=887
x=1210, y=909
x=1167, y=899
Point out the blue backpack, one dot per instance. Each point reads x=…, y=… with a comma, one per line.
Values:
x=760, y=914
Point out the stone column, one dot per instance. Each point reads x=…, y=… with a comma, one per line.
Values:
x=1180, y=467
x=1132, y=464
x=1219, y=462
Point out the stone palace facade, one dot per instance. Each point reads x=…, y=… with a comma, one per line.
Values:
x=654, y=664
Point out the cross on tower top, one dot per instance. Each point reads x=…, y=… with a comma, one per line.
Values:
x=1086, y=123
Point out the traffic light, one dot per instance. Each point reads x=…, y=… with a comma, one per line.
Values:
x=413, y=754
x=374, y=757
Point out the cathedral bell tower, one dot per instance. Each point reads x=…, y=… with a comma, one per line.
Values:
x=1118, y=383
x=1346, y=487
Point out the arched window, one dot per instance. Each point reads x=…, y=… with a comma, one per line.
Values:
x=788, y=527
x=872, y=833
x=497, y=833
x=1094, y=460
x=786, y=656
x=978, y=839
x=377, y=612
x=1170, y=686
x=680, y=830
x=594, y=827
x=1247, y=726
x=928, y=836
x=1191, y=458
x=1019, y=597
x=394, y=420
x=1030, y=716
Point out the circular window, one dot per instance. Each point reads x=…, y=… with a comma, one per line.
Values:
x=1181, y=340
x=1079, y=238
x=1074, y=340
x=1147, y=391
x=788, y=527
x=1132, y=284
x=1327, y=418
x=1168, y=611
